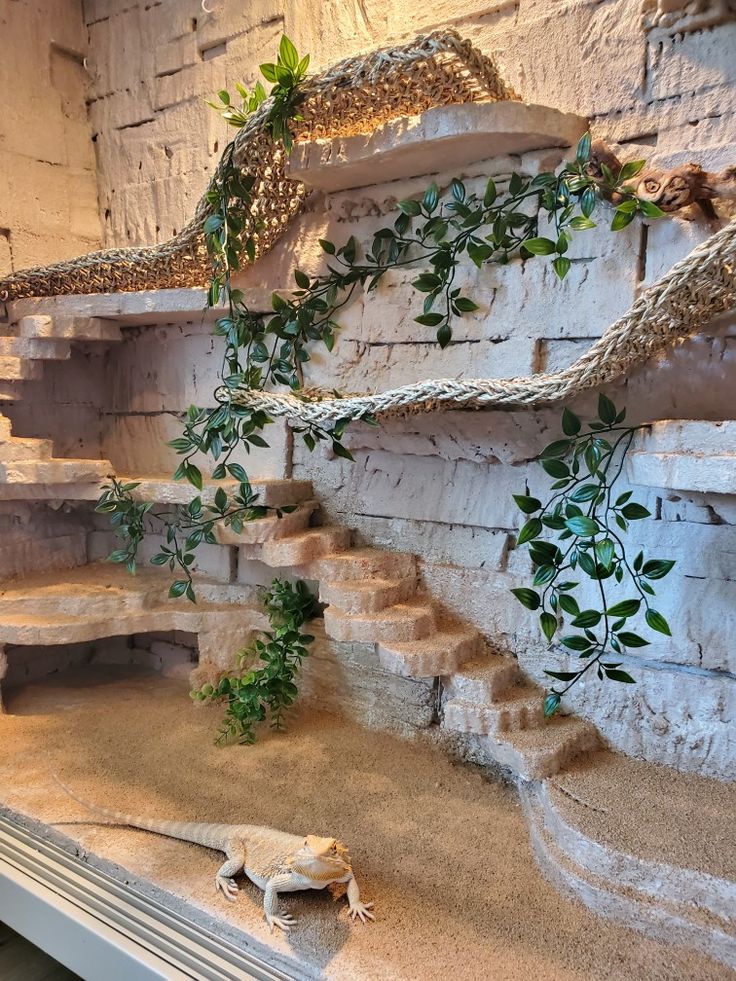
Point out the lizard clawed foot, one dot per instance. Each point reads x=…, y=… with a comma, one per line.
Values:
x=362, y=910
x=228, y=887
x=285, y=922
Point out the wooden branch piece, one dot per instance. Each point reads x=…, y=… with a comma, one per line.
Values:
x=671, y=190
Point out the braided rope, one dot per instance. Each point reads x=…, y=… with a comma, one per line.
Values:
x=353, y=96
x=681, y=303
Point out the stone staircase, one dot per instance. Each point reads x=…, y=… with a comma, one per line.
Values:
x=373, y=596
x=28, y=469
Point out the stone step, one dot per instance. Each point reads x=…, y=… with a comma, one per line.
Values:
x=268, y=529
x=395, y=624
x=54, y=471
x=518, y=708
x=483, y=679
x=537, y=753
x=439, y=654
x=367, y=595
x=35, y=348
x=69, y=328
x=6, y=428
x=18, y=369
x=25, y=448
x=301, y=548
x=364, y=563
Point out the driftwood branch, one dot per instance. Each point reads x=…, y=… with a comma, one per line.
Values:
x=671, y=190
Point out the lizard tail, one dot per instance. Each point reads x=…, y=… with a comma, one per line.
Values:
x=209, y=835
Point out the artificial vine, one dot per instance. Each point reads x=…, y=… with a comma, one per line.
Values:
x=586, y=466
x=437, y=231
x=267, y=690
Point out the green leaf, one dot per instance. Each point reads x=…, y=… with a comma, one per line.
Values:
x=569, y=604
x=650, y=209
x=527, y=598
x=626, y=608
x=178, y=588
x=580, y=525
x=465, y=305
x=193, y=475
x=630, y=639
x=548, y=624
x=551, y=704
x=431, y=197
x=288, y=53
x=490, y=193
x=561, y=266
x=556, y=468
x=634, y=512
x=302, y=280
x=588, y=618
x=605, y=551
x=527, y=504
x=570, y=423
x=562, y=675
x=540, y=246
x=559, y=448
x=631, y=169
x=342, y=451
x=327, y=246
x=576, y=642
x=657, y=568
x=621, y=219
x=615, y=674
x=409, y=207
x=580, y=223
x=582, y=151
x=430, y=319
x=606, y=410
x=585, y=492
x=532, y=529
x=457, y=189
x=588, y=202
x=657, y=622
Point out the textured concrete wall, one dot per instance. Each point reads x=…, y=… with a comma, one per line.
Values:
x=48, y=191
x=656, y=79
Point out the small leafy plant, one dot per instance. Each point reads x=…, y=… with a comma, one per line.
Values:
x=589, y=522
x=266, y=690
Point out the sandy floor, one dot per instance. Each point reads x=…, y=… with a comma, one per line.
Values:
x=442, y=852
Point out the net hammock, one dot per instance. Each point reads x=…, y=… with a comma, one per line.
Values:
x=355, y=96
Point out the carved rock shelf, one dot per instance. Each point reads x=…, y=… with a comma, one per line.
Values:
x=440, y=139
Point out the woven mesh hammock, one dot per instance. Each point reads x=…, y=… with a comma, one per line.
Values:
x=355, y=96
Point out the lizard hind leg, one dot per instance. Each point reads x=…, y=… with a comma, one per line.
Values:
x=224, y=881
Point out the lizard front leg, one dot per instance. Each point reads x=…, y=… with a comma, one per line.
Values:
x=357, y=908
x=271, y=902
x=224, y=881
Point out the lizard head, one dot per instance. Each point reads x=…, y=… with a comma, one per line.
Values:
x=322, y=859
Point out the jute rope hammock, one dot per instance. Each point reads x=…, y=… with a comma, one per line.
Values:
x=354, y=96
x=681, y=303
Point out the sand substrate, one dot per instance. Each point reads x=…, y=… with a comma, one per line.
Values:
x=441, y=850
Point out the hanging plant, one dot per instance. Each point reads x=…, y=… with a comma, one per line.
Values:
x=589, y=522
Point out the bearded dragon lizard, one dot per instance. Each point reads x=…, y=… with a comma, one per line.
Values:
x=274, y=860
